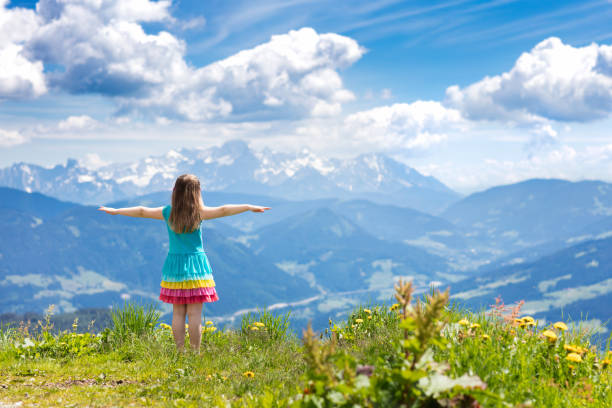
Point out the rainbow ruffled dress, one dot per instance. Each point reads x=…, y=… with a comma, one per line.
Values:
x=186, y=274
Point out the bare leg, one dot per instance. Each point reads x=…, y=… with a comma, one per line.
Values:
x=178, y=325
x=194, y=314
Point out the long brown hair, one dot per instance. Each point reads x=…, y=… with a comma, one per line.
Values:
x=185, y=213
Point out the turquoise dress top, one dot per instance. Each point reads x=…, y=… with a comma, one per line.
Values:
x=186, y=274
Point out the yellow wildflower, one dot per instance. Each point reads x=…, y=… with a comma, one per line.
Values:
x=522, y=324
x=464, y=322
x=209, y=322
x=211, y=329
x=369, y=317
x=254, y=328
x=186, y=326
x=249, y=374
x=550, y=335
x=259, y=324
x=394, y=306
x=560, y=325
x=368, y=311
x=485, y=337
x=358, y=320
x=575, y=357
x=353, y=326
x=474, y=326
x=530, y=324
x=574, y=349
x=605, y=363
x=526, y=319
x=165, y=326
x=518, y=320
x=569, y=347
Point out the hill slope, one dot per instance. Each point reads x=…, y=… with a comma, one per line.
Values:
x=85, y=258
x=575, y=281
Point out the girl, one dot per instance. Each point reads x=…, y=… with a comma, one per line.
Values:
x=187, y=279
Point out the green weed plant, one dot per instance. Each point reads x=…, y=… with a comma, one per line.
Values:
x=419, y=352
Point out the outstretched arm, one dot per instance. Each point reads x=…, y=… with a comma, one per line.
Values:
x=142, y=212
x=209, y=213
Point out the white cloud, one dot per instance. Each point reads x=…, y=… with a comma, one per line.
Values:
x=100, y=46
x=292, y=75
x=195, y=23
x=11, y=138
x=554, y=81
x=82, y=122
x=20, y=76
x=93, y=161
x=162, y=121
x=418, y=125
x=562, y=162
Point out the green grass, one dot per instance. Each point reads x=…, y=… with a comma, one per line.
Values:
x=135, y=364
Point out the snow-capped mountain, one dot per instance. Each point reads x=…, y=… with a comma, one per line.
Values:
x=234, y=167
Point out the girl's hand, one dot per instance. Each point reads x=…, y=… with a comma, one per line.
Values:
x=108, y=210
x=258, y=208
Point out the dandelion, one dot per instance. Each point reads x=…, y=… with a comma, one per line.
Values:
x=560, y=326
x=249, y=374
x=485, y=337
x=571, y=348
x=259, y=324
x=527, y=319
x=358, y=320
x=605, y=363
x=165, y=326
x=209, y=322
x=330, y=322
x=530, y=324
x=212, y=329
x=574, y=349
x=254, y=328
x=394, y=306
x=369, y=317
x=550, y=335
x=464, y=322
x=187, y=326
x=474, y=326
x=575, y=357
x=368, y=311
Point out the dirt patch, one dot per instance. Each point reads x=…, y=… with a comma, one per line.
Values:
x=88, y=382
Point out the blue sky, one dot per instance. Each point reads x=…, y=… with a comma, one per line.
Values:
x=476, y=93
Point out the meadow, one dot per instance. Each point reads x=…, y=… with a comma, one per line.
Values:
x=418, y=352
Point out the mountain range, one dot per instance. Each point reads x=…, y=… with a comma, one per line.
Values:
x=234, y=167
x=339, y=234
